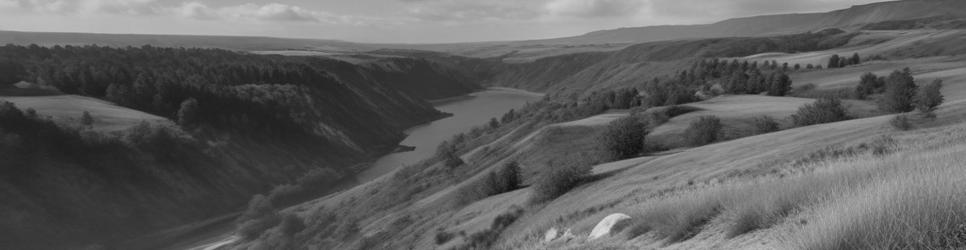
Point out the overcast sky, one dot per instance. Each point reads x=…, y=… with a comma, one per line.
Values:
x=389, y=21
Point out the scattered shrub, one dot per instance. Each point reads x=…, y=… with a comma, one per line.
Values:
x=703, y=131
x=901, y=122
x=766, y=124
x=558, y=179
x=485, y=239
x=442, y=237
x=824, y=110
x=260, y=216
x=291, y=225
x=500, y=181
x=86, y=119
x=624, y=138
x=447, y=152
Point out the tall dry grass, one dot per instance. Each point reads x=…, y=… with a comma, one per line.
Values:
x=918, y=202
x=914, y=199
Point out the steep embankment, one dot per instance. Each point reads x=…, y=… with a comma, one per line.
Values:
x=247, y=123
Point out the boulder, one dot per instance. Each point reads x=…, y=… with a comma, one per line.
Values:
x=605, y=226
x=551, y=234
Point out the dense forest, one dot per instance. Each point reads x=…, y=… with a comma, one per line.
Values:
x=244, y=123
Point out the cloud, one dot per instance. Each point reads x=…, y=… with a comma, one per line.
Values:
x=463, y=11
x=270, y=12
x=126, y=7
x=595, y=8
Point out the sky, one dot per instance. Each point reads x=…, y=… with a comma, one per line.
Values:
x=383, y=21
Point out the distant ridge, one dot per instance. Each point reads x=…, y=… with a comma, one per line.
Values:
x=765, y=25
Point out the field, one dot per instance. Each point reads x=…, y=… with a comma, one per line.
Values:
x=68, y=109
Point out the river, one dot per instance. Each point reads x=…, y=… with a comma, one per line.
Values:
x=474, y=110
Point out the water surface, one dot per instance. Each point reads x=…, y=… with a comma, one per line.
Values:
x=469, y=112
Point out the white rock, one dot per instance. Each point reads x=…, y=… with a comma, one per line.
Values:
x=604, y=227
x=551, y=234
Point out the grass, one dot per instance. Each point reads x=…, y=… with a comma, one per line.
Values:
x=913, y=199
x=919, y=202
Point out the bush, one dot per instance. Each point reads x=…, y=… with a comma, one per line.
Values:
x=558, y=179
x=86, y=119
x=260, y=216
x=766, y=124
x=447, y=153
x=929, y=97
x=503, y=180
x=824, y=110
x=901, y=122
x=624, y=138
x=703, y=131
x=291, y=225
x=442, y=237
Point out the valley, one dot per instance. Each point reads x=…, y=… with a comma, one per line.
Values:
x=830, y=130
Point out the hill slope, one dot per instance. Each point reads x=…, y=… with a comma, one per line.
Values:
x=850, y=18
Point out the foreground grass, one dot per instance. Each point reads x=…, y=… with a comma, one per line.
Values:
x=913, y=199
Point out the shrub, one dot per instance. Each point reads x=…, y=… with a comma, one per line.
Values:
x=558, y=179
x=900, y=122
x=442, y=237
x=447, y=152
x=291, y=225
x=900, y=89
x=929, y=97
x=824, y=110
x=766, y=124
x=868, y=85
x=624, y=138
x=485, y=239
x=503, y=180
x=703, y=131
x=260, y=216
x=86, y=119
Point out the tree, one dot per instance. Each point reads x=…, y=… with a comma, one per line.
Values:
x=624, y=138
x=855, y=59
x=824, y=110
x=511, y=176
x=703, y=131
x=929, y=97
x=900, y=89
x=780, y=85
x=86, y=119
x=188, y=113
x=833, y=62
